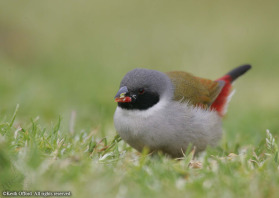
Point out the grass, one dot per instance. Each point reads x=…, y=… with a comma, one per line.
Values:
x=34, y=157
x=62, y=63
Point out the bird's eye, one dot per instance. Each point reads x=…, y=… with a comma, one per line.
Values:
x=141, y=91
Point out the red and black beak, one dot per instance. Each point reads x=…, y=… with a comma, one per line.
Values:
x=122, y=95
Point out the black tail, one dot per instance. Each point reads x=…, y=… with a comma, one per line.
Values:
x=235, y=73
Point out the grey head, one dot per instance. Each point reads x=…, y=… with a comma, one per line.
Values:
x=141, y=89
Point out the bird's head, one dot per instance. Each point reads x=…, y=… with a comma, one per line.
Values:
x=141, y=89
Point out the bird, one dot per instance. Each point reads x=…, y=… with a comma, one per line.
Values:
x=168, y=112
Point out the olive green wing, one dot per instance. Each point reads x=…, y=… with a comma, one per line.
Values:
x=194, y=90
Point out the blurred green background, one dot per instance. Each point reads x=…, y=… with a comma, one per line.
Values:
x=62, y=56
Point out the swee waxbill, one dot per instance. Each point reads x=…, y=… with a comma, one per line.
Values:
x=169, y=111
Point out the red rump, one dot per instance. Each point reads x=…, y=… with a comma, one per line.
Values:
x=220, y=103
